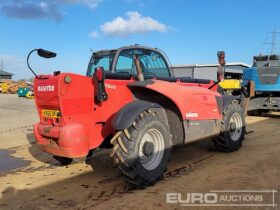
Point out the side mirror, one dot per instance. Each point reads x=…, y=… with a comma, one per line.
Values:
x=45, y=53
x=42, y=53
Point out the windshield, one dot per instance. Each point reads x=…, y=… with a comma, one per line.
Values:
x=104, y=60
x=152, y=63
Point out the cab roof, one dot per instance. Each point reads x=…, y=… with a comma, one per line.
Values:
x=136, y=46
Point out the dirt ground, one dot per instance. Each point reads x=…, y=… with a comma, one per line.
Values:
x=31, y=179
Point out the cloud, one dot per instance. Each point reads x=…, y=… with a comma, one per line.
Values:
x=30, y=10
x=95, y=34
x=135, y=23
x=90, y=3
x=44, y=9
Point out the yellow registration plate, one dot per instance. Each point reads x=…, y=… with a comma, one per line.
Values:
x=50, y=113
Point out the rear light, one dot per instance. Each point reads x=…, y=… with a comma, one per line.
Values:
x=52, y=121
x=98, y=80
x=99, y=74
x=49, y=121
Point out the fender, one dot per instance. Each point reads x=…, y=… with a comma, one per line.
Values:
x=227, y=100
x=185, y=98
x=126, y=115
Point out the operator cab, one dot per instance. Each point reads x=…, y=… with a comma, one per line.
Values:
x=121, y=62
x=266, y=61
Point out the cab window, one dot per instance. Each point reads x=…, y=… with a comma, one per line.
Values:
x=104, y=60
x=152, y=63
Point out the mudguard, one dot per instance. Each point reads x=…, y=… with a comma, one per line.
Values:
x=193, y=102
x=126, y=116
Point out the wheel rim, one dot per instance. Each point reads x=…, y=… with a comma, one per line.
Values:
x=235, y=126
x=153, y=142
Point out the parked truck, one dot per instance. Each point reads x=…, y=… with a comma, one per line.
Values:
x=265, y=73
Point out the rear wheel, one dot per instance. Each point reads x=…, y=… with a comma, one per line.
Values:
x=232, y=130
x=142, y=150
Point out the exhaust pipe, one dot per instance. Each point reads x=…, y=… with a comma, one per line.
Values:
x=221, y=67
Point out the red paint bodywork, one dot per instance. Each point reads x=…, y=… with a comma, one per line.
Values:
x=84, y=124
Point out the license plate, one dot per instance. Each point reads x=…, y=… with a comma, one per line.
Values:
x=50, y=113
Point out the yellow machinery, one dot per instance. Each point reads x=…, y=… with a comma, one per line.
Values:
x=30, y=95
x=5, y=87
x=230, y=84
x=11, y=87
x=227, y=85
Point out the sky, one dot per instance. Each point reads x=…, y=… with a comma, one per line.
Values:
x=189, y=31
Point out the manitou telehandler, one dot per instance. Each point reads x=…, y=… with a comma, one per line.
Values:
x=131, y=102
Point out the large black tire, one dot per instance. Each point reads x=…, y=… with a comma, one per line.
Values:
x=64, y=161
x=232, y=129
x=141, y=151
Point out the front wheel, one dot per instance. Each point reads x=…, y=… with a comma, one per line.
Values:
x=142, y=150
x=232, y=129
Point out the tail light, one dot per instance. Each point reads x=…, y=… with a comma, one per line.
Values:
x=98, y=79
x=100, y=74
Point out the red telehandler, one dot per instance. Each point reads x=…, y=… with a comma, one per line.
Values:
x=131, y=101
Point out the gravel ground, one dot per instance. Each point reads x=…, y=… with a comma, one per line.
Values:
x=31, y=179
